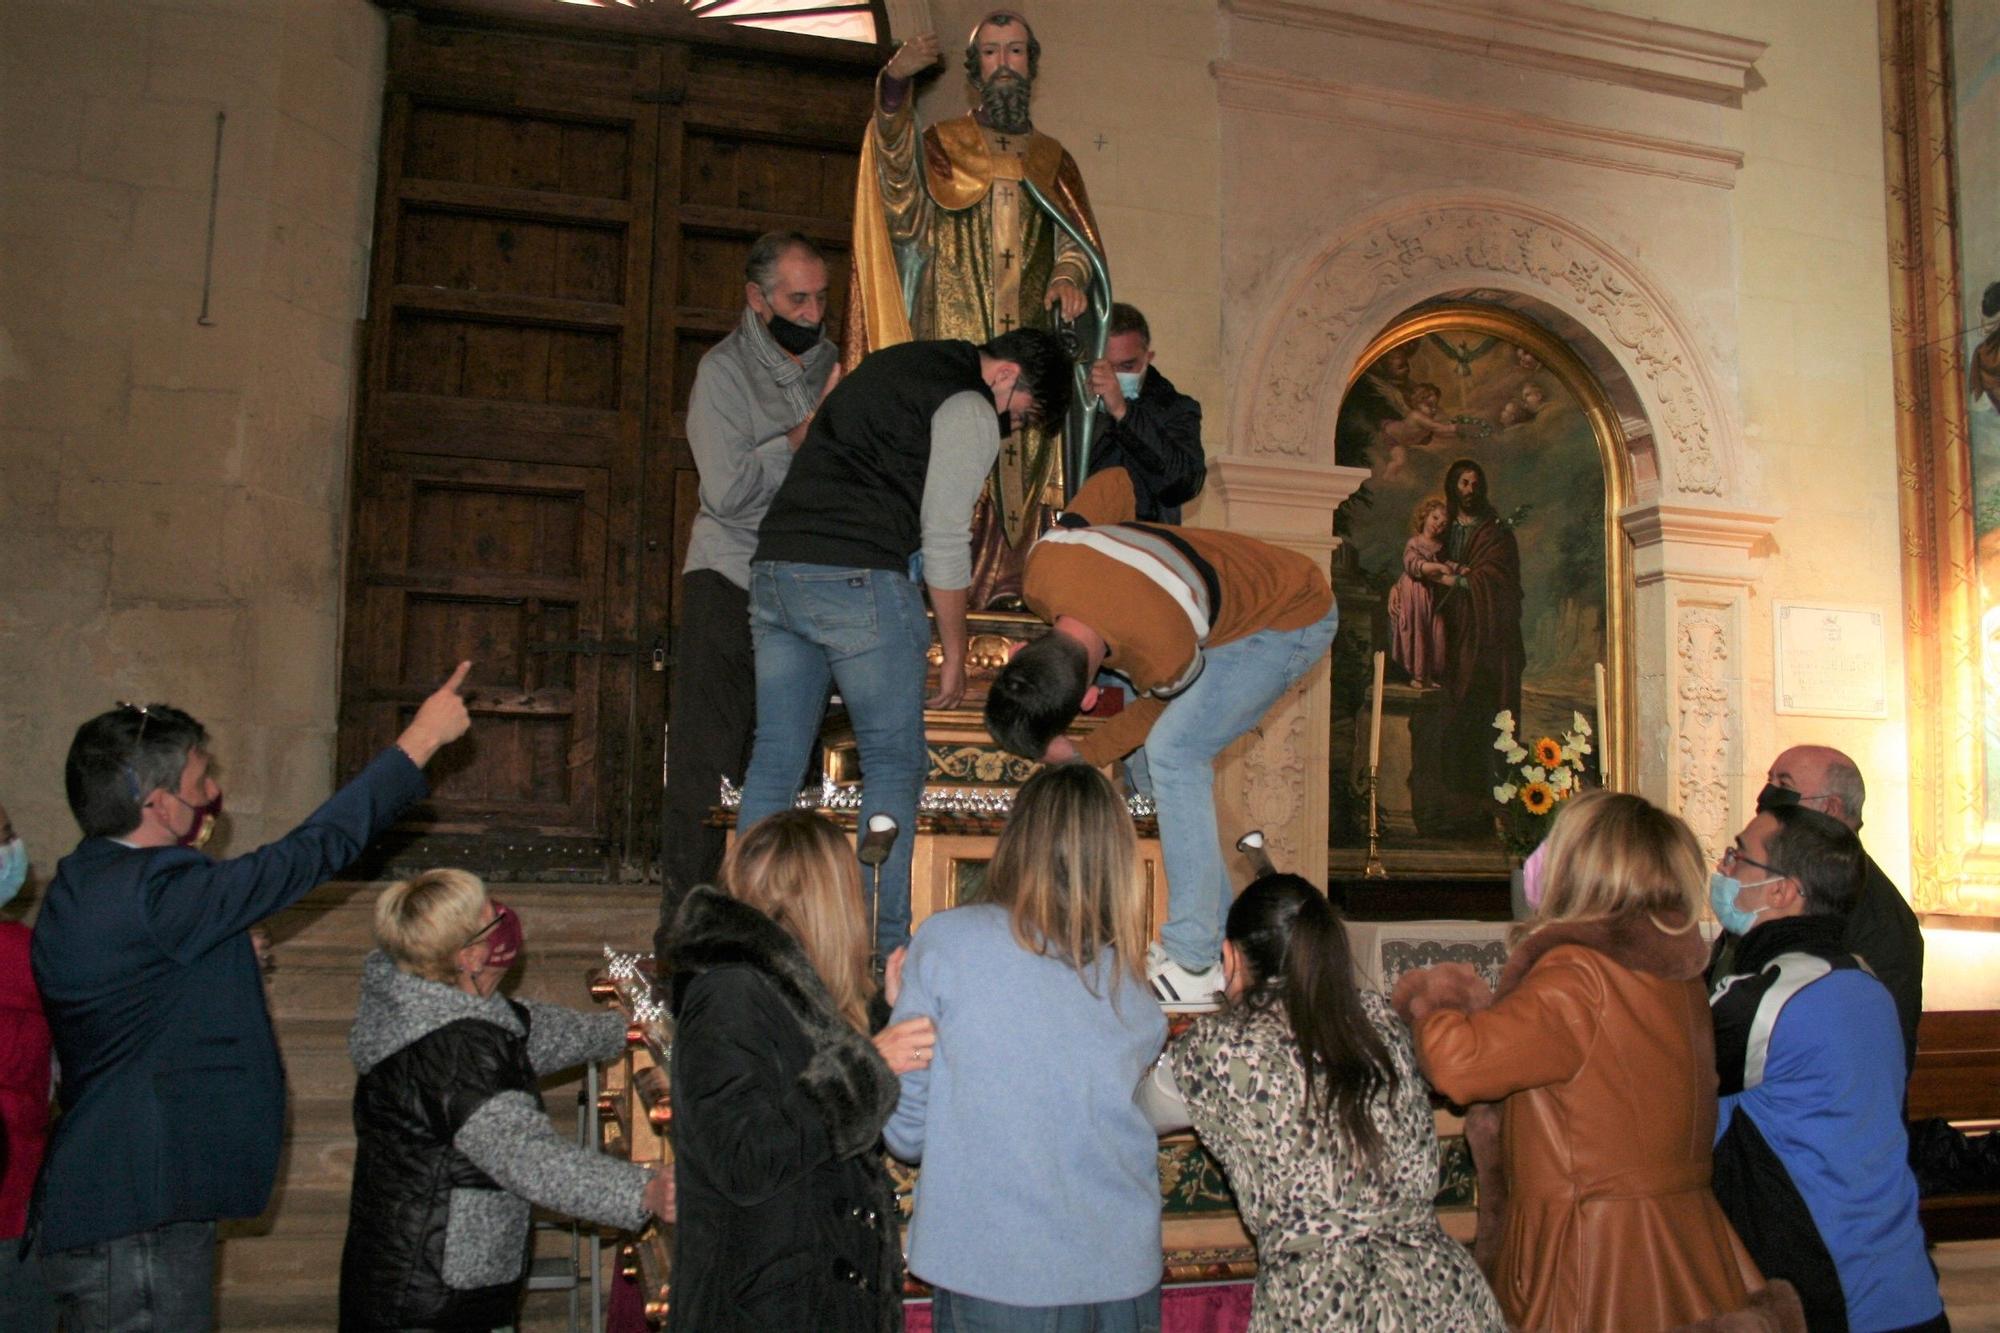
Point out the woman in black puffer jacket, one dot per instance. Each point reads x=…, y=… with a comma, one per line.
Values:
x=454, y=1145
x=787, y=1220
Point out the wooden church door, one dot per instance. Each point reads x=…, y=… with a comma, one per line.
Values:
x=562, y=218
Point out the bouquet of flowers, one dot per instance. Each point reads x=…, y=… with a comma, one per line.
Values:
x=1536, y=779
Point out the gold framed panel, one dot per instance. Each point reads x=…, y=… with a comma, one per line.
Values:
x=1557, y=357
x=1559, y=362
x=1954, y=845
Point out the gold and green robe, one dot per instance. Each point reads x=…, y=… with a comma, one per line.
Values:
x=948, y=245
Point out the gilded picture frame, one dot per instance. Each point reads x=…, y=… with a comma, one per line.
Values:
x=1469, y=334
x=1954, y=836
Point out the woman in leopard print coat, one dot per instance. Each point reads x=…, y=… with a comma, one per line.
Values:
x=1335, y=1172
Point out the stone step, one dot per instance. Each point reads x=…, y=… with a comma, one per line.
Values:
x=621, y=915
x=316, y=980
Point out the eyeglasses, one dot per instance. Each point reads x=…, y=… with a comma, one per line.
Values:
x=482, y=932
x=1732, y=858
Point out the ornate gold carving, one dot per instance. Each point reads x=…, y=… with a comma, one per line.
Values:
x=1495, y=240
x=983, y=652
x=1702, y=735
x=978, y=763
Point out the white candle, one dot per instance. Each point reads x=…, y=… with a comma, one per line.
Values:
x=1375, y=724
x=1603, y=774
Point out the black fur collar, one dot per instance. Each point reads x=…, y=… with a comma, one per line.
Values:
x=847, y=1078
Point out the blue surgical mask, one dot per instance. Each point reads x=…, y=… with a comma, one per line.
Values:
x=13, y=869
x=1129, y=382
x=1722, y=892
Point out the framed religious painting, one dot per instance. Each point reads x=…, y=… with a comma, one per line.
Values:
x=1481, y=560
x=1941, y=113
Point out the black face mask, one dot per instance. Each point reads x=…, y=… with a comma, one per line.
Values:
x=1773, y=795
x=1006, y=422
x=798, y=339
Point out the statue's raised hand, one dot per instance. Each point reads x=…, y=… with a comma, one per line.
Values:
x=914, y=57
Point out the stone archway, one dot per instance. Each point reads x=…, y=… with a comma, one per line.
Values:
x=1423, y=250
x=1695, y=547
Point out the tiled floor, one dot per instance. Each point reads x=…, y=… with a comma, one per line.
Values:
x=1969, y=1273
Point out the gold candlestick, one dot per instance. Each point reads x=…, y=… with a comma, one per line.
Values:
x=1374, y=869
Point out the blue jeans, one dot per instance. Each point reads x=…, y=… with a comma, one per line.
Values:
x=1237, y=686
x=865, y=630
x=952, y=1312
x=157, y=1281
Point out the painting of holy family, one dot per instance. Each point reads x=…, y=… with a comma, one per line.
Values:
x=1474, y=558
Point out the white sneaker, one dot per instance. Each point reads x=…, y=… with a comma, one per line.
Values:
x=1180, y=991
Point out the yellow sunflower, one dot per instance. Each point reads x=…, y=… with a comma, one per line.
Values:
x=1538, y=798
x=1547, y=753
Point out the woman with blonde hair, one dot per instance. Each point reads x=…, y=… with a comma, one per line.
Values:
x=787, y=1218
x=454, y=1146
x=1040, y=1187
x=1595, y=1210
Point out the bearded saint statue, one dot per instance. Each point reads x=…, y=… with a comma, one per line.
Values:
x=957, y=246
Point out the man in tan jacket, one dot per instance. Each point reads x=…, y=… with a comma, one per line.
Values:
x=1211, y=628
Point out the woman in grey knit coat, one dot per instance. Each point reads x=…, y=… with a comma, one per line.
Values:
x=454, y=1144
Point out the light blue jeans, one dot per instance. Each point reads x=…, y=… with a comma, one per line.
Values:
x=1237, y=686
x=952, y=1312
x=864, y=630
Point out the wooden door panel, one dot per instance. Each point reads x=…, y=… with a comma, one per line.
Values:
x=500, y=563
x=502, y=415
x=563, y=214
x=558, y=259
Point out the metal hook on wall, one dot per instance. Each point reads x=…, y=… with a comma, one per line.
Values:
x=214, y=198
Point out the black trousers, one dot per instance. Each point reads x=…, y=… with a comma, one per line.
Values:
x=711, y=720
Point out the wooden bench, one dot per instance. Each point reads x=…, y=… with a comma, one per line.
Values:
x=1957, y=1078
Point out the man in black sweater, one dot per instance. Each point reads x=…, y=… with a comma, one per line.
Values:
x=880, y=497
x=1154, y=431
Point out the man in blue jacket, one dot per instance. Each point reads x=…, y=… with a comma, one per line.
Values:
x=1811, y=1156
x=172, y=1093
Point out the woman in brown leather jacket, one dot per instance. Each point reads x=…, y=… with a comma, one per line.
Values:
x=1598, y=1048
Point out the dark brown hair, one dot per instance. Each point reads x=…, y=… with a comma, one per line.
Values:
x=1295, y=950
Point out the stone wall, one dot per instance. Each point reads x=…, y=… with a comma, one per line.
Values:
x=172, y=493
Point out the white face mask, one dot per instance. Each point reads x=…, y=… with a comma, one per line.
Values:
x=1129, y=382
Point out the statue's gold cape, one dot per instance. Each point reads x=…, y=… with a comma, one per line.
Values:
x=959, y=172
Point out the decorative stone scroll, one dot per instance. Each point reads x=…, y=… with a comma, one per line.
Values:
x=1410, y=256
x=1702, y=734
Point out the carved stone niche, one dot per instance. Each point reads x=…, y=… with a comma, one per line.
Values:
x=1696, y=548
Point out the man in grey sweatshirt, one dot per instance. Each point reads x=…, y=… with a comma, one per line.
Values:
x=753, y=396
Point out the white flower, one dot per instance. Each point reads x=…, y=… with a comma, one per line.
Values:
x=1561, y=779
x=1504, y=743
x=1504, y=719
x=1579, y=724
x=1570, y=754
x=1535, y=773
x=1516, y=754
x=1505, y=792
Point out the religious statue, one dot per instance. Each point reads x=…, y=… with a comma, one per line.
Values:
x=985, y=229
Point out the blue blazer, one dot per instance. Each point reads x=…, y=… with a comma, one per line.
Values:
x=172, y=1093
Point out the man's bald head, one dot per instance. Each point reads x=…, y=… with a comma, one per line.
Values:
x=1824, y=778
